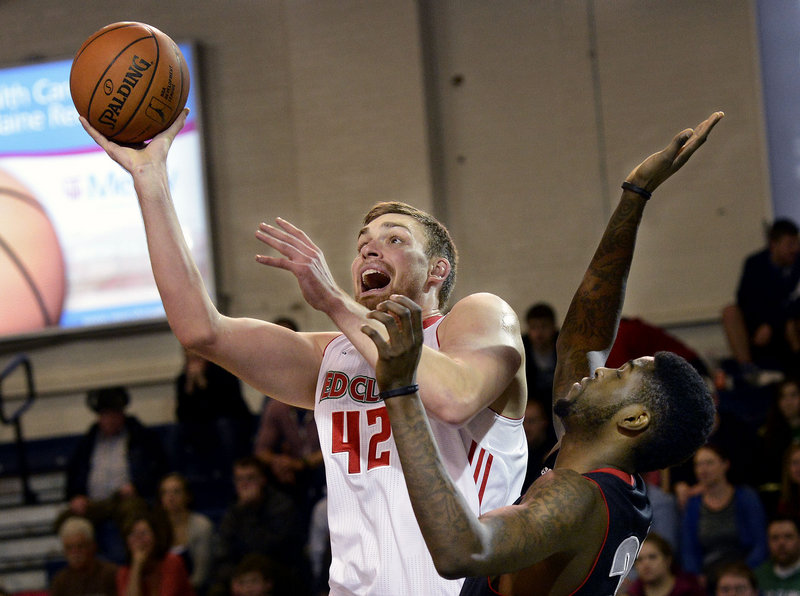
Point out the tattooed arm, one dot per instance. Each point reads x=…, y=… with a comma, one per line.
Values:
x=551, y=520
x=590, y=324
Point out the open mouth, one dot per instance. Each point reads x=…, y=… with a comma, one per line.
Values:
x=372, y=279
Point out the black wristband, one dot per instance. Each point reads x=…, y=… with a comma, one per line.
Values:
x=645, y=194
x=407, y=390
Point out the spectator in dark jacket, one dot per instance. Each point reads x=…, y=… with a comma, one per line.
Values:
x=115, y=467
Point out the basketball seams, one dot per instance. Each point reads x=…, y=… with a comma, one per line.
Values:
x=144, y=95
x=102, y=76
x=100, y=34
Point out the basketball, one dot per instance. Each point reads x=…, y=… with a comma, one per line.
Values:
x=130, y=81
x=32, y=272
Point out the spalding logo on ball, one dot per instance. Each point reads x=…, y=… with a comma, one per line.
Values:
x=130, y=81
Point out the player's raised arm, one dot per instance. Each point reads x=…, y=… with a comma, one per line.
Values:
x=191, y=314
x=590, y=324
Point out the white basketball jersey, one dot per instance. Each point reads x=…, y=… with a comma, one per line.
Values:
x=376, y=544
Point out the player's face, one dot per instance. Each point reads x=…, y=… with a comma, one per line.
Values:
x=651, y=564
x=592, y=399
x=784, y=542
x=391, y=260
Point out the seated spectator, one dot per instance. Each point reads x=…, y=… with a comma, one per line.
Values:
x=758, y=326
x=257, y=575
x=780, y=575
x=287, y=443
x=263, y=520
x=722, y=524
x=732, y=436
x=85, y=574
x=192, y=532
x=115, y=467
x=151, y=570
x=782, y=427
x=209, y=403
x=655, y=567
x=736, y=579
x=540, y=352
x=789, y=502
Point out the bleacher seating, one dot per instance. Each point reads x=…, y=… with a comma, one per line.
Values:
x=30, y=551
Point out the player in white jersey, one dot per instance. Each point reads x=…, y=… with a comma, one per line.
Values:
x=475, y=378
x=478, y=455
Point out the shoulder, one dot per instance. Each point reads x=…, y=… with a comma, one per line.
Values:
x=565, y=491
x=480, y=313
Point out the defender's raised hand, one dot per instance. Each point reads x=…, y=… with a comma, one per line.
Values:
x=658, y=167
x=399, y=356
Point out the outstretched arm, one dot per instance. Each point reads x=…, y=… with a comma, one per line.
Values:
x=288, y=362
x=590, y=324
x=555, y=510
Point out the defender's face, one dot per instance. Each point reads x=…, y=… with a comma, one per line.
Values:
x=608, y=387
x=391, y=260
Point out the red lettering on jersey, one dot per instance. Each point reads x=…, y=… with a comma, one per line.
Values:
x=334, y=386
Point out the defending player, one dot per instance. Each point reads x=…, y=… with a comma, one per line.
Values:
x=470, y=371
x=579, y=527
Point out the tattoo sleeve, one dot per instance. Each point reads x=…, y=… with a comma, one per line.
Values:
x=462, y=544
x=590, y=324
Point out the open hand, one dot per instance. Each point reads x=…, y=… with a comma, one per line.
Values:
x=658, y=167
x=302, y=257
x=399, y=356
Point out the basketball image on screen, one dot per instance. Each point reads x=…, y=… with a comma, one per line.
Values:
x=32, y=273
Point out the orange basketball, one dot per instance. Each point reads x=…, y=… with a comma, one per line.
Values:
x=32, y=273
x=130, y=81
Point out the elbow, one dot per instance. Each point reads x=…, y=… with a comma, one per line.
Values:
x=451, y=410
x=454, y=565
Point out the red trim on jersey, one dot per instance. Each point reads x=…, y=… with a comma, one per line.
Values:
x=481, y=473
x=491, y=587
x=482, y=489
x=327, y=345
x=431, y=320
x=627, y=478
x=608, y=525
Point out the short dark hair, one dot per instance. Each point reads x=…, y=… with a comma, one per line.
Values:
x=440, y=244
x=682, y=413
x=541, y=310
x=781, y=228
